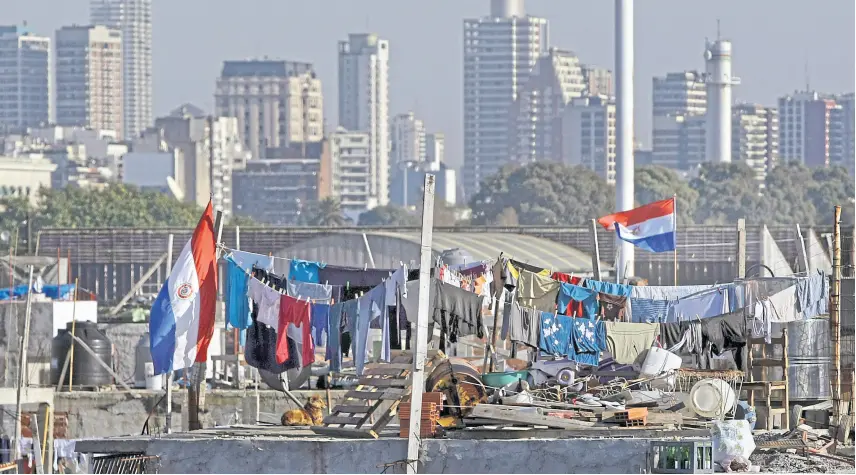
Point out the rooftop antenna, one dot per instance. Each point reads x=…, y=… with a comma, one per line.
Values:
x=717, y=30
x=807, y=77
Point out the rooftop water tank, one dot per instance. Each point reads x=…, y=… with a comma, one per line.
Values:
x=87, y=372
x=456, y=258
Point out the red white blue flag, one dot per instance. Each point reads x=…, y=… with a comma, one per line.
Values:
x=651, y=227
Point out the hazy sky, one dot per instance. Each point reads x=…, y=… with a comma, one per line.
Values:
x=773, y=41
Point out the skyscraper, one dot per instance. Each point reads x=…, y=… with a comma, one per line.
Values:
x=500, y=50
x=679, y=132
x=89, y=78
x=408, y=139
x=535, y=117
x=25, y=78
x=364, y=104
x=589, y=126
x=806, y=128
x=134, y=19
x=755, y=137
x=276, y=102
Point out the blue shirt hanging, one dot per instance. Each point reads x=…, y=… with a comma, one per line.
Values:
x=588, y=297
x=588, y=339
x=611, y=288
x=237, y=302
x=305, y=271
x=555, y=334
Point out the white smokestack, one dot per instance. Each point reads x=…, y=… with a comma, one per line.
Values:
x=719, y=80
x=507, y=9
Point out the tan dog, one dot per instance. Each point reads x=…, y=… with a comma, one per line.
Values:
x=312, y=414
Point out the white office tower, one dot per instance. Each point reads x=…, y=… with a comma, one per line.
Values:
x=435, y=148
x=755, y=137
x=535, y=118
x=846, y=155
x=276, y=102
x=350, y=164
x=25, y=76
x=134, y=19
x=364, y=103
x=408, y=139
x=89, y=78
x=719, y=80
x=499, y=52
x=588, y=125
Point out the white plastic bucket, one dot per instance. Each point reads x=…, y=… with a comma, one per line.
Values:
x=659, y=361
x=153, y=382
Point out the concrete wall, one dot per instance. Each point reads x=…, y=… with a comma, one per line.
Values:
x=322, y=455
x=117, y=413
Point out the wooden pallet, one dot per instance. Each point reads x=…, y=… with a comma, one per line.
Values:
x=370, y=406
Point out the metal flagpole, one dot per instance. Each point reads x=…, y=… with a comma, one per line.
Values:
x=168, y=421
x=675, y=213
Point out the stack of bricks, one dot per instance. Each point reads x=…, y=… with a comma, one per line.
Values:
x=432, y=404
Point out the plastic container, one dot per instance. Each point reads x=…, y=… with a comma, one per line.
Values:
x=498, y=380
x=87, y=371
x=711, y=398
x=659, y=361
x=154, y=381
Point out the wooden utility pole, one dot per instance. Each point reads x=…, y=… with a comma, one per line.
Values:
x=22, y=366
x=417, y=377
x=835, y=317
x=595, y=251
x=741, y=248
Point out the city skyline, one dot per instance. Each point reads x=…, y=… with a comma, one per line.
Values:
x=772, y=61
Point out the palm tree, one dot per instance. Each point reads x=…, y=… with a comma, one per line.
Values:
x=327, y=213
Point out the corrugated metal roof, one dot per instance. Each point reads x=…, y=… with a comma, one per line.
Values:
x=389, y=248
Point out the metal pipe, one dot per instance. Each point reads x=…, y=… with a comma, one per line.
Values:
x=624, y=122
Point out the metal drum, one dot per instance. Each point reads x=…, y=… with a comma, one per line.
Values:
x=457, y=373
x=809, y=359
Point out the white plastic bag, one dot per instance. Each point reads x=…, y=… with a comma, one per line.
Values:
x=731, y=440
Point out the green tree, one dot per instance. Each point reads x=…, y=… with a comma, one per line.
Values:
x=829, y=187
x=727, y=192
x=654, y=183
x=388, y=216
x=327, y=213
x=542, y=194
x=784, y=195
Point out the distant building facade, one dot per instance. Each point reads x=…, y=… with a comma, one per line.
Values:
x=679, y=134
x=351, y=170
x=25, y=79
x=276, y=102
x=755, y=137
x=408, y=139
x=589, y=127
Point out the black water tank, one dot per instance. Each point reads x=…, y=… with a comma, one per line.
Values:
x=87, y=371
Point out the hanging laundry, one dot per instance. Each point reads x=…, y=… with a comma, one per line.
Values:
x=625, y=341
x=573, y=293
x=706, y=304
x=237, y=302
x=651, y=303
x=319, y=320
x=248, y=260
x=683, y=339
x=305, y=271
x=334, y=338
x=267, y=300
x=475, y=269
x=350, y=313
x=588, y=339
x=370, y=306
x=530, y=268
x=574, y=308
x=612, y=307
x=260, y=350
x=726, y=334
x=611, y=288
x=352, y=276
x=380, y=321
x=813, y=295
x=457, y=311
x=509, y=274
x=396, y=280
x=537, y=291
x=523, y=324
x=555, y=333
x=298, y=313
x=313, y=292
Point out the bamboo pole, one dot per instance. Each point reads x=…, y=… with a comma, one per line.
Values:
x=835, y=317
x=73, y=332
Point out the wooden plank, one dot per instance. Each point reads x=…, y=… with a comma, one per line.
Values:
x=389, y=394
x=346, y=432
x=385, y=383
x=665, y=418
x=770, y=362
x=516, y=415
x=353, y=421
x=352, y=409
x=383, y=371
x=398, y=366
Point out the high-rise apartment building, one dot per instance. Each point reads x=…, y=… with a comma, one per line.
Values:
x=351, y=170
x=588, y=123
x=435, y=148
x=134, y=19
x=408, y=139
x=755, y=137
x=364, y=104
x=845, y=115
x=678, y=137
x=535, y=119
x=89, y=78
x=810, y=127
x=598, y=81
x=276, y=102
x=25, y=79
x=500, y=50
